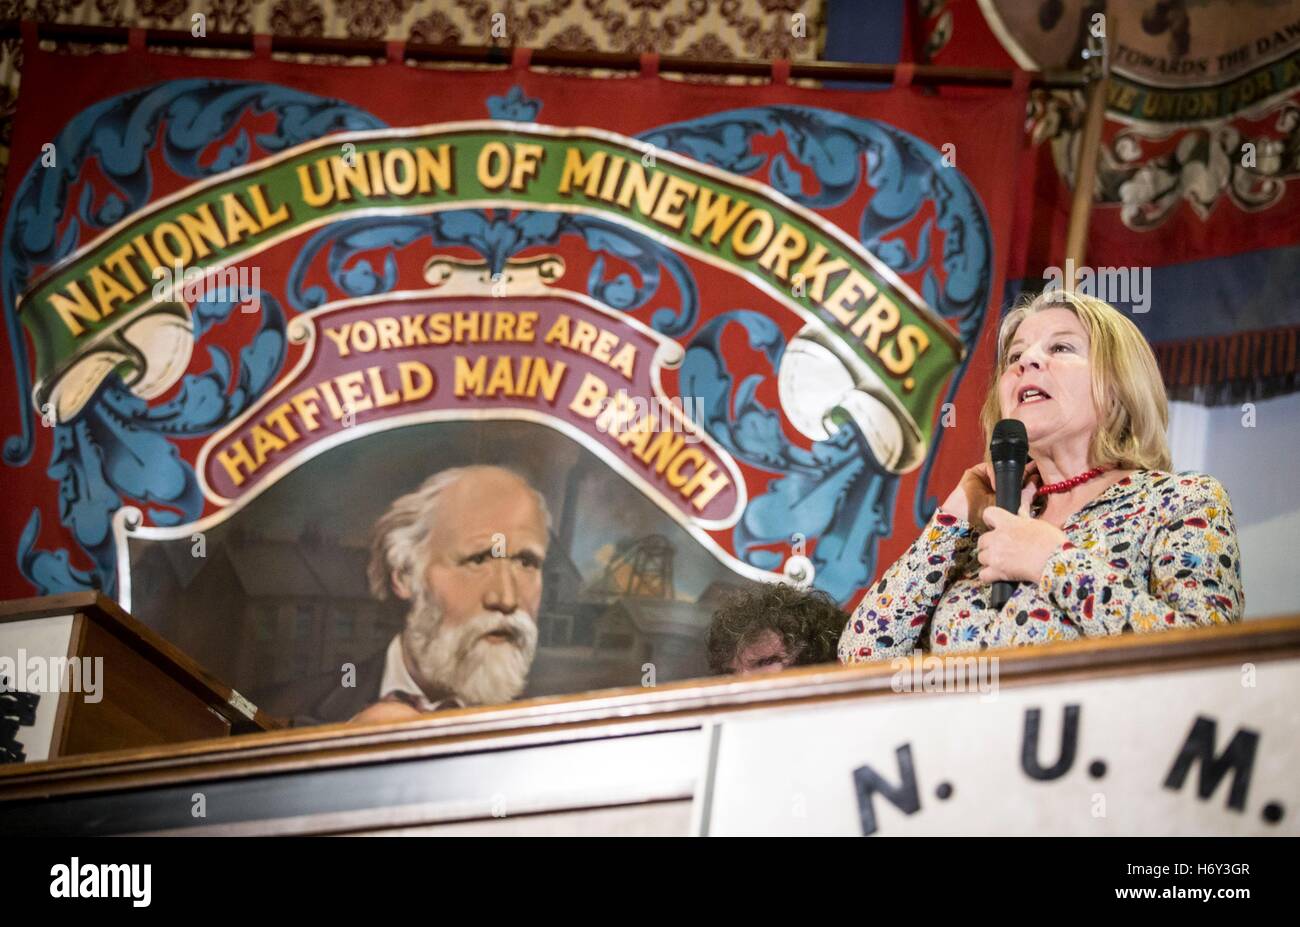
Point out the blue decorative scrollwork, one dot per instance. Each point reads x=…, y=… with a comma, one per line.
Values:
x=119, y=445
x=907, y=175
x=833, y=495
x=117, y=134
x=514, y=106
x=498, y=237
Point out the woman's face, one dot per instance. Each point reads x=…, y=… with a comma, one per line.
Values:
x=1050, y=353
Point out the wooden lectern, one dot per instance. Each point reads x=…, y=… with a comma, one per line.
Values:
x=79, y=675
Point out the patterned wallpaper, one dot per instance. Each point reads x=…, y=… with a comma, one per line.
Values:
x=696, y=28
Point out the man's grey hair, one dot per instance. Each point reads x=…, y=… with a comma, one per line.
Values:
x=400, y=538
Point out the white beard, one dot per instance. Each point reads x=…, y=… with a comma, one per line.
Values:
x=477, y=671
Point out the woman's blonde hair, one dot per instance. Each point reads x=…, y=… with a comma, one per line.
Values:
x=1127, y=390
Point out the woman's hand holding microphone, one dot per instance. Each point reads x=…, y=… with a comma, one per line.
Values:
x=1012, y=546
x=975, y=493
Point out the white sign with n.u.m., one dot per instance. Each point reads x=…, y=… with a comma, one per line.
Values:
x=1203, y=751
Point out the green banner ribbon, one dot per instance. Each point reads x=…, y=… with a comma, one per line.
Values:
x=82, y=312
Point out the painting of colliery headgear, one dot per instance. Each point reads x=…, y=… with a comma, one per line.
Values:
x=276, y=598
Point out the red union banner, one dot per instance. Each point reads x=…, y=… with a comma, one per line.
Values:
x=1197, y=196
x=729, y=334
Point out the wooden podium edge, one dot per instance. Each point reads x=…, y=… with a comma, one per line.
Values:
x=220, y=697
x=620, y=712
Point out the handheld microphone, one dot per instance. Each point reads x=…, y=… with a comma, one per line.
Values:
x=1010, y=452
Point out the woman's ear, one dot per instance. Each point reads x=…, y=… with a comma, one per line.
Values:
x=399, y=584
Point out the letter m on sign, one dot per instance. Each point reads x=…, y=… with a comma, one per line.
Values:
x=1238, y=758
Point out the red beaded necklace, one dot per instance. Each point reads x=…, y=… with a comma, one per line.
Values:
x=1067, y=485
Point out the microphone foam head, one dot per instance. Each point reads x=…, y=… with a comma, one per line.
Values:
x=1010, y=441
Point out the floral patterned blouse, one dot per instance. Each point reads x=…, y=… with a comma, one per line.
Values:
x=1154, y=550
